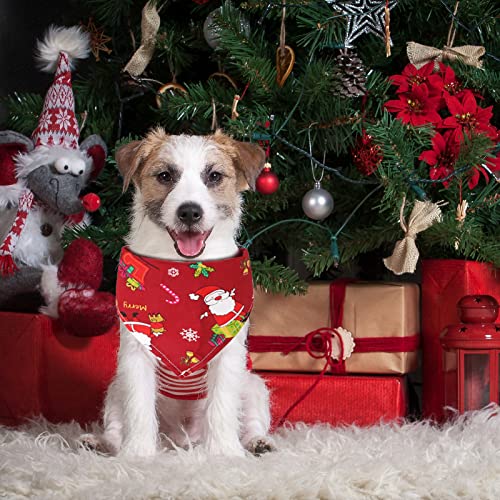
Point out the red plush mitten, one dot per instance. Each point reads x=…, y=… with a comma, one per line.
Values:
x=81, y=266
x=86, y=312
x=70, y=291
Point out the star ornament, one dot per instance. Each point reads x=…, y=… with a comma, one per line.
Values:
x=363, y=16
x=98, y=39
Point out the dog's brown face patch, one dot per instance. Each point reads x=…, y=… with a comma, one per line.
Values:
x=209, y=170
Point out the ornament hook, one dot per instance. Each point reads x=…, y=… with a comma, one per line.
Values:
x=317, y=182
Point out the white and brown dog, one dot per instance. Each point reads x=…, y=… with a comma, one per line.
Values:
x=187, y=207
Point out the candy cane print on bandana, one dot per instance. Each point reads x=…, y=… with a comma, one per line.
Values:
x=175, y=297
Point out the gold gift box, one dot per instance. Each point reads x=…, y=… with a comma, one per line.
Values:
x=371, y=310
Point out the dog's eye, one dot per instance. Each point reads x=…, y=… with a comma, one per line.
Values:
x=164, y=177
x=215, y=177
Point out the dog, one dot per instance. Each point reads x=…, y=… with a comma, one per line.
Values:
x=186, y=210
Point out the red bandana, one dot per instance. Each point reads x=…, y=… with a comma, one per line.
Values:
x=184, y=313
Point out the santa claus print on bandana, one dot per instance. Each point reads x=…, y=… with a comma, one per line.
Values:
x=227, y=314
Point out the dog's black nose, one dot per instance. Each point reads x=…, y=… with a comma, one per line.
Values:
x=189, y=213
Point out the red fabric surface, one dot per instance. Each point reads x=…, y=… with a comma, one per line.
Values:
x=7, y=154
x=46, y=371
x=444, y=282
x=185, y=313
x=339, y=399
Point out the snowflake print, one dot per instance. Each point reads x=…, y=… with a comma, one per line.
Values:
x=173, y=272
x=189, y=334
x=63, y=119
x=44, y=122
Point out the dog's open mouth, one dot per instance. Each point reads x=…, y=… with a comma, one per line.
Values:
x=189, y=243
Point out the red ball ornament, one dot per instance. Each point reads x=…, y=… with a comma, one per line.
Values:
x=91, y=202
x=366, y=155
x=267, y=182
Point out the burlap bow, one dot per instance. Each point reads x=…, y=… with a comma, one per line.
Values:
x=150, y=24
x=419, y=55
x=405, y=255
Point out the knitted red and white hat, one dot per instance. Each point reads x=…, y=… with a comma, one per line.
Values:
x=57, y=125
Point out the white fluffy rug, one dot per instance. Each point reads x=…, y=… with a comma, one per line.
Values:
x=412, y=461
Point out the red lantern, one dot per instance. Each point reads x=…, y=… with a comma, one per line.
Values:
x=472, y=355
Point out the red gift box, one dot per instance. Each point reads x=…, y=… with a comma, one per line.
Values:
x=45, y=371
x=337, y=400
x=444, y=283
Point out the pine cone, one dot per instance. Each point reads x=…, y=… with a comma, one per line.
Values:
x=349, y=74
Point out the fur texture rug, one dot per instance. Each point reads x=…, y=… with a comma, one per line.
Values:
x=409, y=461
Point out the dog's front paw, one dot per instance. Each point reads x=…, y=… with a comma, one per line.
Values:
x=260, y=445
x=137, y=449
x=91, y=442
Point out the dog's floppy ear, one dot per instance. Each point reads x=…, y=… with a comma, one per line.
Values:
x=249, y=161
x=128, y=159
x=248, y=158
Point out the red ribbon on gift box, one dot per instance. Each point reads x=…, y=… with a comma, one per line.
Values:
x=318, y=343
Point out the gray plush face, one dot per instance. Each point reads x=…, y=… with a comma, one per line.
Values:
x=60, y=191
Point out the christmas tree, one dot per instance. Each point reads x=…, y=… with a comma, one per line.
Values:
x=326, y=88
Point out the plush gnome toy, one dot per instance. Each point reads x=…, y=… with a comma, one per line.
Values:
x=40, y=184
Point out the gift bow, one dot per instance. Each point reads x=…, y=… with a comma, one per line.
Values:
x=419, y=54
x=318, y=344
x=404, y=258
x=150, y=24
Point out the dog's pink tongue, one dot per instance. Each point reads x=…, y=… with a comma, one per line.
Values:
x=190, y=244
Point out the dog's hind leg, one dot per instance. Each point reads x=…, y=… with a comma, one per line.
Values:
x=221, y=425
x=136, y=392
x=256, y=415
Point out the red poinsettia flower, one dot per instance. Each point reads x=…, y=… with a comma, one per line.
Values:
x=492, y=166
x=415, y=107
x=467, y=116
x=411, y=77
x=474, y=176
x=450, y=85
x=442, y=157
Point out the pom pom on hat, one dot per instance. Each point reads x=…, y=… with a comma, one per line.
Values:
x=73, y=41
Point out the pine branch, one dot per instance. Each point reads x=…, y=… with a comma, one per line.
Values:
x=111, y=13
x=275, y=278
x=23, y=112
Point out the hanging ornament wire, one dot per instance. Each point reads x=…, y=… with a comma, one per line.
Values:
x=313, y=166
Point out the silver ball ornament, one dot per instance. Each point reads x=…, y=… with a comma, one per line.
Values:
x=211, y=30
x=317, y=203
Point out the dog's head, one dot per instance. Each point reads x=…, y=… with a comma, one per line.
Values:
x=189, y=186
